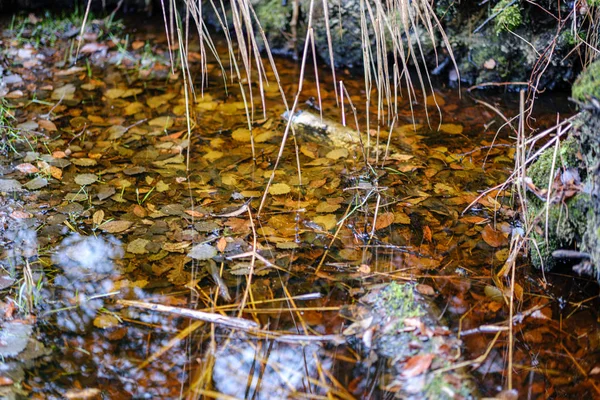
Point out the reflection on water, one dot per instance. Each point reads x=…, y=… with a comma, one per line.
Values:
x=87, y=266
x=269, y=370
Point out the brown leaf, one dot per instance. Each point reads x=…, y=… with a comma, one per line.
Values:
x=417, y=365
x=116, y=226
x=221, y=244
x=47, y=125
x=384, y=220
x=98, y=217
x=27, y=168
x=56, y=172
x=493, y=237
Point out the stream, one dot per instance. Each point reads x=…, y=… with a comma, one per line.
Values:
x=109, y=208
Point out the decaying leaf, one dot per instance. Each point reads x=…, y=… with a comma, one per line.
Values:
x=417, y=365
x=493, y=237
x=116, y=226
x=202, y=251
x=279, y=188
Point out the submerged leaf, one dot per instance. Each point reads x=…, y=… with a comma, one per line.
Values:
x=203, y=251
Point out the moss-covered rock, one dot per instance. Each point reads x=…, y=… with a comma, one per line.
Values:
x=275, y=17
x=573, y=220
x=587, y=84
x=508, y=16
x=402, y=327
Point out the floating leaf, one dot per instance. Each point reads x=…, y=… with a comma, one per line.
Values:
x=116, y=226
x=279, y=188
x=202, y=251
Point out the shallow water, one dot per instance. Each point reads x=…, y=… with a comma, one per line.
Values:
x=113, y=213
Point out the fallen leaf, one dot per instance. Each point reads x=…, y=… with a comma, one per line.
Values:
x=138, y=246
x=279, y=188
x=116, y=226
x=85, y=179
x=384, y=220
x=27, y=168
x=493, y=237
x=417, y=365
x=202, y=251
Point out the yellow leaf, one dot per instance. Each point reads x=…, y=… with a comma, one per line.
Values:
x=336, y=154
x=453, y=129
x=326, y=221
x=241, y=135
x=279, y=188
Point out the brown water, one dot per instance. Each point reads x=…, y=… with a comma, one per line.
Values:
x=119, y=211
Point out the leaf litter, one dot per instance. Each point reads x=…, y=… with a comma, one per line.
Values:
x=118, y=165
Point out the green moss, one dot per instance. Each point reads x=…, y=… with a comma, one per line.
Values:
x=273, y=16
x=508, y=18
x=567, y=219
x=588, y=83
x=567, y=157
x=399, y=302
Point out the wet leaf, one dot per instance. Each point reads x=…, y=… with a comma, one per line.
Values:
x=116, y=226
x=221, y=244
x=85, y=179
x=427, y=235
x=493, y=237
x=164, y=122
x=10, y=185
x=417, y=365
x=47, y=125
x=203, y=251
x=384, y=220
x=27, y=168
x=336, y=154
x=13, y=338
x=279, y=188
x=98, y=217
x=241, y=135
x=36, y=183
x=105, y=321
x=66, y=92
x=328, y=221
x=493, y=293
x=453, y=129
x=84, y=162
x=138, y=246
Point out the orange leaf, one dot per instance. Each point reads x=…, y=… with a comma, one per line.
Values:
x=417, y=365
x=427, y=235
x=384, y=220
x=221, y=244
x=492, y=237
